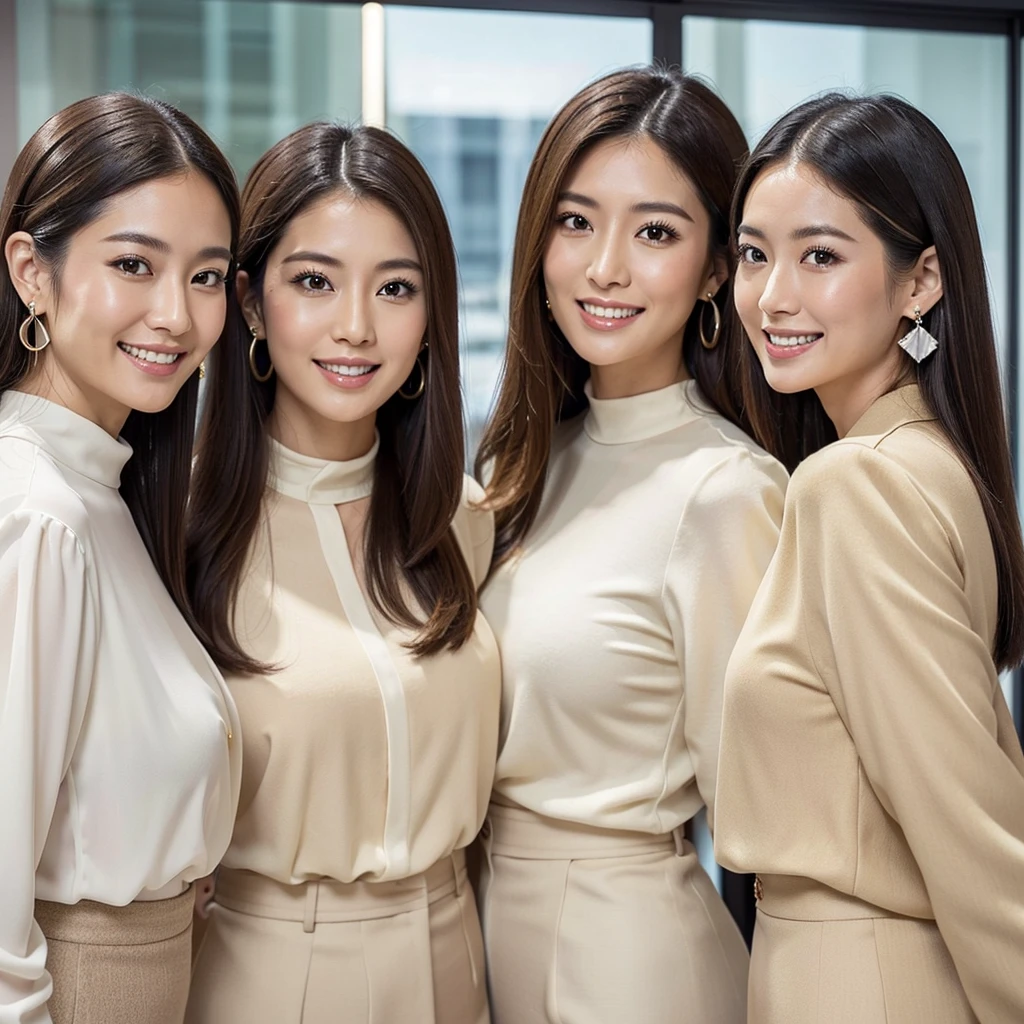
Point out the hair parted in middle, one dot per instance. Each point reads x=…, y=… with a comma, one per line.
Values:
x=542, y=377
x=409, y=545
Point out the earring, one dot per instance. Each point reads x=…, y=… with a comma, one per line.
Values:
x=917, y=342
x=35, y=322
x=547, y=302
x=710, y=300
x=202, y=370
x=252, y=360
x=411, y=396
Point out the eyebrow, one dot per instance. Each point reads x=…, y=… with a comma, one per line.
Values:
x=211, y=252
x=811, y=231
x=649, y=207
x=308, y=256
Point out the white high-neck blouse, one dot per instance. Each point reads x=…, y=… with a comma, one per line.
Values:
x=361, y=761
x=617, y=618
x=118, y=777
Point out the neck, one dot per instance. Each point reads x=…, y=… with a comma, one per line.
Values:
x=322, y=439
x=624, y=380
x=47, y=381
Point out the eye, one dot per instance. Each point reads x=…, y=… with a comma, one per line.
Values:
x=820, y=256
x=398, y=289
x=574, y=221
x=209, y=278
x=656, y=233
x=747, y=253
x=313, y=282
x=132, y=266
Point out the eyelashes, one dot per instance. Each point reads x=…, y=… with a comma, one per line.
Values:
x=661, y=226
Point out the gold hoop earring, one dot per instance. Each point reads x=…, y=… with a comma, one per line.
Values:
x=412, y=396
x=710, y=300
x=36, y=323
x=252, y=360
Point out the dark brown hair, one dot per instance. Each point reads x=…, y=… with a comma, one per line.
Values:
x=542, y=378
x=418, y=473
x=81, y=158
x=903, y=177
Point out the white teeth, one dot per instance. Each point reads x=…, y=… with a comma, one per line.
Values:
x=799, y=339
x=149, y=355
x=610, y=312
x=346, y=371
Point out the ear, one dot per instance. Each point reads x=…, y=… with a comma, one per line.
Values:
x=718, y=274
x=249, y=302
x=926, y=283
x=29, y=276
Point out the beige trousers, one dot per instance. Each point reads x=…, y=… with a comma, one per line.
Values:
x=118, y=965
x=822, y=956
x=402, y=952
x=591, y=926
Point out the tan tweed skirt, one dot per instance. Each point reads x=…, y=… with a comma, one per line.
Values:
x=118, y=965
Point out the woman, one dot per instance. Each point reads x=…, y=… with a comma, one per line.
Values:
x=334, y=563
x=119, y=769
x=870, y=771
x=634, y=521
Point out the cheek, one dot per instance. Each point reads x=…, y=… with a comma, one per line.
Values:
x=400, y=331
x=295, y=321
x=747, y=290
x=211, y=311
x=673, y=276
x=99, y=304
x=561, y=263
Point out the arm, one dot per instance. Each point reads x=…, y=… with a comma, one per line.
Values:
x=725, y=540
x=48, y=633
x=916, y=686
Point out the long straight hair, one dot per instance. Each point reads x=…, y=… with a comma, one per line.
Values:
x=903, y=177
x=80, y=159
x=542, y=377
x=418, y=472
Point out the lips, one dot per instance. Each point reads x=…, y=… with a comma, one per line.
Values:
x=790, y=345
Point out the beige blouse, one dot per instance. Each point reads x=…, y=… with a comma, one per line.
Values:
x=617, y=619
x=866, y=740
x=361, y=761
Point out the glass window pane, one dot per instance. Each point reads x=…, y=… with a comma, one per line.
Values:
x=471, y=93
x=762, y=68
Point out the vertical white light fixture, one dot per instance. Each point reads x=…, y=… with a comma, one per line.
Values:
x=373, y=65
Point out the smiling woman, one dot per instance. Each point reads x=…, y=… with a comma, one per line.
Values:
x=118, y=774
x=334, y=564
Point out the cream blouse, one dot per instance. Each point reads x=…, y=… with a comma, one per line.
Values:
x=361, y=761
x=117, y=778
x=617, y=619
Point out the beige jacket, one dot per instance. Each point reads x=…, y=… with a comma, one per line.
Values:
x=867, y=743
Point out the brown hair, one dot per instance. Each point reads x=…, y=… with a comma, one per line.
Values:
x=902, y=175
x=542, y=378
x=418, y=473
x=80, y=159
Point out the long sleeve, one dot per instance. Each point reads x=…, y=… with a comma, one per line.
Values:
x=48, y=635
x=726, y=537
x=899, y=645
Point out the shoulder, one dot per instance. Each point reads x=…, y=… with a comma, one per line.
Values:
x=474, y=529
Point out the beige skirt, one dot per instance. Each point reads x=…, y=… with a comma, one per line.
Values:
x=591, y=926
x=401, y=952
x=820, y=955
x=118, y=965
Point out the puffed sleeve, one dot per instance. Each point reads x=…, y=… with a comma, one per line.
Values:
x=48, y=636
x=726, y=537
x=918, y=691
x=474, y=527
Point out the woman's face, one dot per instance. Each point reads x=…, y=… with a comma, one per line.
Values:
x=344, y=313
x=139, y=302
x=626, y=260
x=816, y=296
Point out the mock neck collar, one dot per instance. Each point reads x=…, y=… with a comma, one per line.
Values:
x=68, y=438
x=891, y=410
x=318, y=481
x=639, y=417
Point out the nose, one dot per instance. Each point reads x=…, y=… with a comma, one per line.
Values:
x=354, y=323
x=609, y=263
x=170, y=310
x=780, y=292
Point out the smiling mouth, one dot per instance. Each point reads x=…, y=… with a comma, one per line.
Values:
x=610, y=312
x=347, y=371
x=794, y=341
x=149, y=356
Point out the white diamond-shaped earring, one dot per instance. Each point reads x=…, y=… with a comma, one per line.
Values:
x=917, y=342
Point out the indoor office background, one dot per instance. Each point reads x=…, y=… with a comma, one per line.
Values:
x=470, y=85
